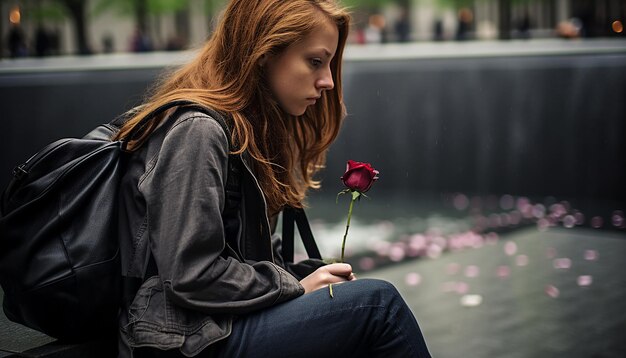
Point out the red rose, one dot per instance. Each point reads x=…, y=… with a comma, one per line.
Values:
x=359, y=176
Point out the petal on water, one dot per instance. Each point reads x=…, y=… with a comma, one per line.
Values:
x=413, y=279
x=503, y=271
x=552, y=291
x=591, y=255
x=584, y=280
x=367, y=263
x=510, y=248
x=461, y=287
x=562, y=263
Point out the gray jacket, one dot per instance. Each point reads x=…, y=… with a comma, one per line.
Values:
x=171, y=206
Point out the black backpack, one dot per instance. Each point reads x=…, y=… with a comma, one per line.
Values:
x=59, y=252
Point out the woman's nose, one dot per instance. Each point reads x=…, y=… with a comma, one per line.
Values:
x=325, y=82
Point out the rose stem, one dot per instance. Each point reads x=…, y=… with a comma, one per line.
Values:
x=343, y=244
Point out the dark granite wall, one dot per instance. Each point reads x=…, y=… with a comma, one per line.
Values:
x=523, y=125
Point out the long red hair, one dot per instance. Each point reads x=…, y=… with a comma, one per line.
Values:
x=226, y=76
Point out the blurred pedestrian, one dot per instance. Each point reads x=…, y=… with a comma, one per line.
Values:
x=141, y=41
x=464, y=24
x=17, y=42
x=375, y=32
x=403, y=26
x=42, y=42
x=438, y=30
x=108, y=45
x=523, y=26
x=569, y=29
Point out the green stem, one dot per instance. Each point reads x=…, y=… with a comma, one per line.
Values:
x=343, y=244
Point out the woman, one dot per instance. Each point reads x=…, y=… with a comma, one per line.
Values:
x=217, y=283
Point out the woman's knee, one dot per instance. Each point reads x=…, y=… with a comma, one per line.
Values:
x=380, y=291
x=377, y=285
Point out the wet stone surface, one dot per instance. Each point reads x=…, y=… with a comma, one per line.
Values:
x=537, y=309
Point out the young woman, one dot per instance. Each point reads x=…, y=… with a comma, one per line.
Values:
x=217, y=282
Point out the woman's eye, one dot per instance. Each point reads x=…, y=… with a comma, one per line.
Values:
x=315, y=62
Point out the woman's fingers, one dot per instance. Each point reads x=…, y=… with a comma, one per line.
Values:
x=339, y=269
x=325, y=275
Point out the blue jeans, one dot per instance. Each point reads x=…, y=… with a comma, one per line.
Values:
x=366, y=318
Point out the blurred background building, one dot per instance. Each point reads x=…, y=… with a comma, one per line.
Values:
x=60, y=27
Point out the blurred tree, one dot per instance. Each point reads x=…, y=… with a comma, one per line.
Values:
x=504, y=16
x=77, y=12
x=456, y=4
x=369, y=5
x=141, y=9
x=213, y=8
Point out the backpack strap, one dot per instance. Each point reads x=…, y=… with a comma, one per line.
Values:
x=297, y=215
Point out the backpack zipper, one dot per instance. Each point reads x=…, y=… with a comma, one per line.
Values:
x=20, y=171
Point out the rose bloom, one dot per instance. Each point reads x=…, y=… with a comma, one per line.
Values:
x=359, y=176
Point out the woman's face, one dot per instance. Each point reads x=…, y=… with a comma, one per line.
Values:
x=298, y=75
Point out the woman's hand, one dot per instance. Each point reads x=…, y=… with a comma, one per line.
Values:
x=325, y=275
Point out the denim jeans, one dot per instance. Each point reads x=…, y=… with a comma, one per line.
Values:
x=365, y=318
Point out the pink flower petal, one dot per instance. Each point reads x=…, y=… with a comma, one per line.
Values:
x=569, y=221
x=367, y=263
x=580, y=218
x=539, y=211
x=617, y=218
x=584, y=280
x=552, y=291
x=461, y=288
x=413, y=279
x=397, y=252
x=562, y=263
x=510, y=248
x=434, y=251
x=591, y=255
x=503, y=271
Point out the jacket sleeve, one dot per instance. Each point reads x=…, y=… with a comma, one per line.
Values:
x=184, y=190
